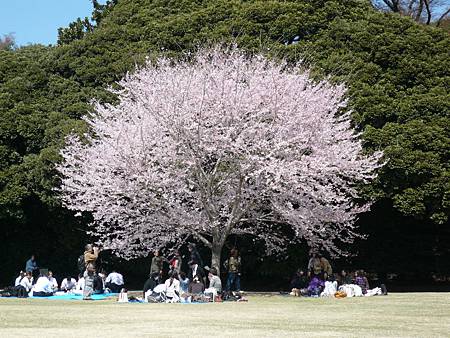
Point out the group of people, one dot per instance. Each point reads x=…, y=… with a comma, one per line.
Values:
x=193, y=285
x=319, y=280
x=38, y=282
x=198, y=283
x=97, y=282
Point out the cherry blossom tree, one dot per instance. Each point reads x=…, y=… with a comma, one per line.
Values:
x=225, y=143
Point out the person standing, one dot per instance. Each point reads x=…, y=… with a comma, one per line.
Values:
x=233, y=266
x=32, y=266
x=194, y=255
x=157, y=265
x=326, y=268
x=175, y=263
x=91, y=254
x=315, y=266
x=89, y=278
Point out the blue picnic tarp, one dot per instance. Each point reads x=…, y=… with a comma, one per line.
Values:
x=78, y=297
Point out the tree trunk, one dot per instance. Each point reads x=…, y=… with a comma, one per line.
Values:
x=216, y=252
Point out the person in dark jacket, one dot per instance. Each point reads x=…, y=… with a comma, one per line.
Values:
x=157, y=265
x=299, y=281
x=151, y=282
x=196, y=287
x=194, y=255
x=344, y=278
x=196, y=270
x=32, y=266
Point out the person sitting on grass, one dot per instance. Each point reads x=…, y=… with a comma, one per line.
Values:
x=80, y=283
x=215, y=284
x=114, y=281
x=344, y=278
x=315, y=287
x=22, y=274
x=298, y=283
x=150, y=284
x=184, y=282
x=68, y=284
x=172, y=288
x=99, y=285
x=361, y=281
x=43, y=287
x=23, y=288
x=196, y=287
x=53, y=281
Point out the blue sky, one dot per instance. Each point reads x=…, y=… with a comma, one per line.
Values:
x=37, y=21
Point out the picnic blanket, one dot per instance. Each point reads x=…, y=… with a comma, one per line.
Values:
x=77, y=297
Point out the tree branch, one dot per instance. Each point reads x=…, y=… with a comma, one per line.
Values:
x=427, y=7
x=204, y=240
x=438, y=22
x=419, y=11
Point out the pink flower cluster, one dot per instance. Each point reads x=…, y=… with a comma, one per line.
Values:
x=223, y=144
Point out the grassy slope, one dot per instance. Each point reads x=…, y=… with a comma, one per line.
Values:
x=398, y=315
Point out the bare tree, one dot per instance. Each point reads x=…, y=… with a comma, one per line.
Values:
x=425, y=11
x=7, y=42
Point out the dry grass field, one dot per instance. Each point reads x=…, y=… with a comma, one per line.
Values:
x=396, y=315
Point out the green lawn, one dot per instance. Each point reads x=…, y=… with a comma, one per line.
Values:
x=397, y=315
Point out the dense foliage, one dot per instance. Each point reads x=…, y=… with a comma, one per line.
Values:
x=397, y=72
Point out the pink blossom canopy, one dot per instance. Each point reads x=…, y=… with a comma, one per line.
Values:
x=222, y=144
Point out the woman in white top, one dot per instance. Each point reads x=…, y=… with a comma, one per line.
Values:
x=172, y=288
x=26, y=281
x=19, y=278
x=80, y=283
